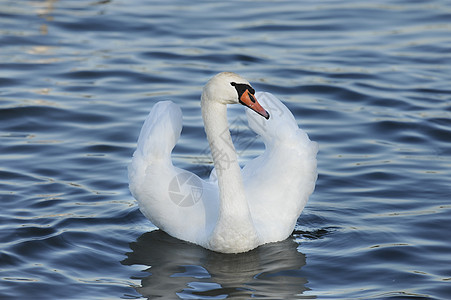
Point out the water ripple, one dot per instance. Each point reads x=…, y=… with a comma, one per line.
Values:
x=368, y=81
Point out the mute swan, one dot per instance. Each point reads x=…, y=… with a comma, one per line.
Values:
x=236, y=210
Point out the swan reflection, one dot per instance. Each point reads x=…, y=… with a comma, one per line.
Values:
x=181, y=269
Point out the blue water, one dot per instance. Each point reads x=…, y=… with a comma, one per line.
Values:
x=369, y=81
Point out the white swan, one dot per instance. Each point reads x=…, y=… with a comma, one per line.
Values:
x=237, y=209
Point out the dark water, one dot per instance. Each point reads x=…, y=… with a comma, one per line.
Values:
x=371, y=82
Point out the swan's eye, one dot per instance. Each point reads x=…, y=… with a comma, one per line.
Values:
x=242, y=87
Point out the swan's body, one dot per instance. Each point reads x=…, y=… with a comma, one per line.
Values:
x=238, y=209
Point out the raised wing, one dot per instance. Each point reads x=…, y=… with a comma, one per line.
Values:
x=279, y=182
x=175, y=200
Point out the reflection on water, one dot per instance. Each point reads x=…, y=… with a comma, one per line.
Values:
x=187, y=270
x=368, y=81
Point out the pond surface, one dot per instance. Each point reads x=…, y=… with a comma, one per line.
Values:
x=370, y=82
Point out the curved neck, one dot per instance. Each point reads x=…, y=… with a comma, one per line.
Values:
x=234, y=228
x=225, y=159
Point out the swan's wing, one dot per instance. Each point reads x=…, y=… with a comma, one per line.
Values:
x=279, y=182
x=173, y=199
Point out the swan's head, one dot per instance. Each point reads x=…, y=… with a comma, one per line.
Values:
x=231, y=88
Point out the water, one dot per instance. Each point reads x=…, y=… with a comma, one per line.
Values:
x=370, y=82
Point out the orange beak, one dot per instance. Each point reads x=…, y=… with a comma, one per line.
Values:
x=249, y=100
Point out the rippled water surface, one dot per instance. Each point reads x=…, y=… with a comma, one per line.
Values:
x=369, y=81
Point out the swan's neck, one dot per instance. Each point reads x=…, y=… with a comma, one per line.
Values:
x=234, y=227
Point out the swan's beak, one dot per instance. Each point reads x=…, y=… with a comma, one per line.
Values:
x=247, y=99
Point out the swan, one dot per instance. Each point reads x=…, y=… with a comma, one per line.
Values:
x=235, y=210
